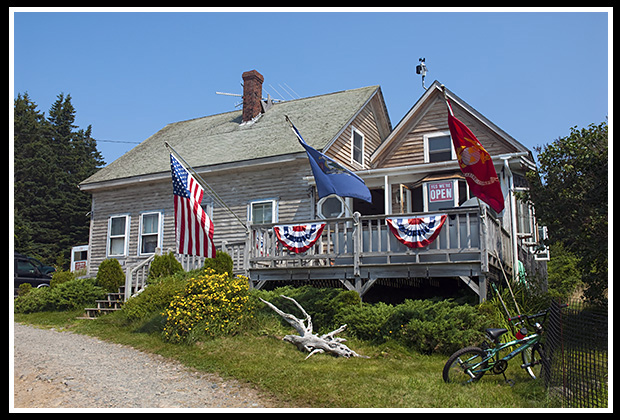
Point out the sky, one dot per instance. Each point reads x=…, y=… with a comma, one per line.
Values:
x=534, y=74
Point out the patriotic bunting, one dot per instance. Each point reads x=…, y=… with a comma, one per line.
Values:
x=419, y=231
x=299, y=238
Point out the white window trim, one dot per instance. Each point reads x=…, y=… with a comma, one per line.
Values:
x=427, y=157
x=126, y=235
x=353, y=161
x=274, y=206
x=320, y=205
x=160, y=231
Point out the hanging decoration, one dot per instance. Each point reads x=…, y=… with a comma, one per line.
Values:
x=417, y=232
x=299, y=238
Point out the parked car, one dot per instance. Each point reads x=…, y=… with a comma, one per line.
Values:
x=27, y=271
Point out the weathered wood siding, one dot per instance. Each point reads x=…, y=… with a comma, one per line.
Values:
x=366, y=123
x=237, y=187
x=408, y=148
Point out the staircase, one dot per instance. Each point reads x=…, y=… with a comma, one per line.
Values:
x=111, y=303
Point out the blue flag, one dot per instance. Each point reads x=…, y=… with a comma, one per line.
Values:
x=331, y=177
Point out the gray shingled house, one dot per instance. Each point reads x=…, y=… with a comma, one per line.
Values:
x=253, y=161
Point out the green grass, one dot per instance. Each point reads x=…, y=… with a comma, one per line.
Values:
x=392, y=377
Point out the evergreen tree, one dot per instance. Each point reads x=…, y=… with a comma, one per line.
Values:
x=52, y=156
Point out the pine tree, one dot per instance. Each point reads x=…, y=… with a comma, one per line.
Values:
x=52, y=156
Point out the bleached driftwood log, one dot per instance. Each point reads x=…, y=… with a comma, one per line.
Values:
x=307, y=340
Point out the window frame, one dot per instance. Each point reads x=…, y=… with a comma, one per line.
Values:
x=274, y=209
x=319, y=207
x=125, y=235
x=353, y=148
x=159, y=233
x=427, y=152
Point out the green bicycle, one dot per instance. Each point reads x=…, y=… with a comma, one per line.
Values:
x=469, y=364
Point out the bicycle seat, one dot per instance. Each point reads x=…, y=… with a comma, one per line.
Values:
x=495, y=333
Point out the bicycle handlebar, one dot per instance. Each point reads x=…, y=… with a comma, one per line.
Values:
x=538, y=315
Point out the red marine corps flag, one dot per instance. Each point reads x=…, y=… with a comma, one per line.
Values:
x=476, y=164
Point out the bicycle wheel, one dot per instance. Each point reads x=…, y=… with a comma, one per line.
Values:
x=534, y=361
x=458, y=368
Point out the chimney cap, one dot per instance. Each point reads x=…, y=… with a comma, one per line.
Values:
x=252, y=74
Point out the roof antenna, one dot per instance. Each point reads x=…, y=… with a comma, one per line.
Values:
x=421, y=69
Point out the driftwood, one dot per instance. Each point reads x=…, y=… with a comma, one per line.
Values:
x=307, y=340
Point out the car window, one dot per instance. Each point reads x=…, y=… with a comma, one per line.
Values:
x=25, y=267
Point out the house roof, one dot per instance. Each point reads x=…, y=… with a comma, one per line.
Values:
x=437, y=88
x=220, y=139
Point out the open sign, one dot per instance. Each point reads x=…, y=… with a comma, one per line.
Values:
x=440, y=191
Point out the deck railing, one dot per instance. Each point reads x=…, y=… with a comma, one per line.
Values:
x=468, y=236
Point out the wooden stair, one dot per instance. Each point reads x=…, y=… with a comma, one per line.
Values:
x=111, y=303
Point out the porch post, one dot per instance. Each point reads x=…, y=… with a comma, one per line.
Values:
x=482, y=287
x=388, y=194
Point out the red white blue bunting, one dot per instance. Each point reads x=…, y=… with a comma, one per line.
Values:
x=299, y=238
x=417, y=232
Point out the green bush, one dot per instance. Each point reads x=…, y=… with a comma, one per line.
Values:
x=61, y=277
x=222, y=263
x=163, y=266
x=322, y=304
x=154, y=298
x=423, y=325
x=368, y=322
x=73, y=294
x=110, y=275
x=24, y=289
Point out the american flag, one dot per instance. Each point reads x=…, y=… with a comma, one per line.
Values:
x=194, y=229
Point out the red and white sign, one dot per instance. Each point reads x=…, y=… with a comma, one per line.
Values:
x=440, y=191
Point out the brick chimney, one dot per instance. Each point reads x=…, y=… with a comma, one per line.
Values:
x=252, y=94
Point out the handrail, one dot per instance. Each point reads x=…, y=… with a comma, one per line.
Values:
x=366, y=240
x=140, y=283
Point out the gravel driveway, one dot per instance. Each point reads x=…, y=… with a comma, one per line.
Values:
x=63, y=369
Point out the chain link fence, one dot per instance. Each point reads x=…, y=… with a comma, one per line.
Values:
x=576, y=344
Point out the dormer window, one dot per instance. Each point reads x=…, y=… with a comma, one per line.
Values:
x=438, y=147
x=357, y=147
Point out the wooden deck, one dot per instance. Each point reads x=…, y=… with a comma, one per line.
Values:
x=357, y=251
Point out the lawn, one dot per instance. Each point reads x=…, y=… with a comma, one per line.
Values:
x=392, y=377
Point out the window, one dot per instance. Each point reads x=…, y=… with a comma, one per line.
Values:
x=263, y=211
x=150, y=229
x=331, y=206
x=438, y=147
x=357, y=147
x=525, y=219
x=118, y=232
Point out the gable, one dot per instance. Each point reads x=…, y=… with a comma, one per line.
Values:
x=429, y=117
x=370, y=126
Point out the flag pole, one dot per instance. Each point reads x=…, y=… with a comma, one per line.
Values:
x=205, y=185
x=445, y=96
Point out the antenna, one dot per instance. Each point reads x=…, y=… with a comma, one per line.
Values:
x=421, y=69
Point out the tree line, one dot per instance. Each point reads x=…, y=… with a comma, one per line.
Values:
x=51, y=157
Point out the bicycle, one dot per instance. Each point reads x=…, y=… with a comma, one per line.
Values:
x=469, y=364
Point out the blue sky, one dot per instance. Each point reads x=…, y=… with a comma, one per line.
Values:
x=534, y=74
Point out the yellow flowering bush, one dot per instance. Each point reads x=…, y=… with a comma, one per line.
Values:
x=211, y=305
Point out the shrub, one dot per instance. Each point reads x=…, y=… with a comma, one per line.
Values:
x=222, y=263
x=61, y=277
x=211, y=305
x=72, y=294
x=322, y=304
x=163, y=266
x=154, y=298
x=110, y=275
x=24, y=289
x=423, y=325
x=368, y=321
